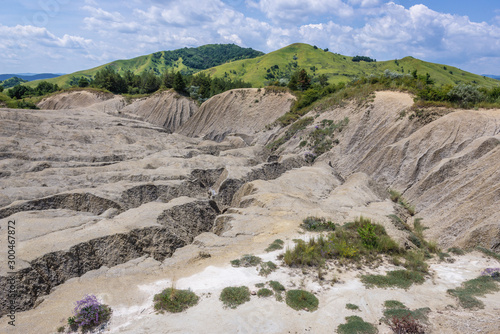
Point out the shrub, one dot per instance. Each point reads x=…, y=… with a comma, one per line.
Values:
x=317, y=224
x=351, y=307
x=356, y=325
x=89, y=312
x=395, y=195
x=393, y=304
x=246, y=260
x=264, y=292
x=275, y=245
x=232, y=297
x=368, y=236
x=278, y=289
x=174, y=301
x=456, y=251
x=302, y=300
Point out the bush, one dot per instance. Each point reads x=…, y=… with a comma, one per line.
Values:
x=356, y=325
x=317, y=224
x=173, y=300
x=352, y=307
x=232, y=297
x=246, y=260
x=465, y=95
x=89, y=313
x=266, y=268
x=406, y=325
x=302, y=300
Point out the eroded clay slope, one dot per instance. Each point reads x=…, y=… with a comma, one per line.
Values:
x=241, y=111
x=166, y=109
x=74, y=99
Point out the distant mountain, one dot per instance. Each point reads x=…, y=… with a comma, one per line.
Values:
x=337, y=68
x=496, y=77
x=185, y=60
x=29, y=76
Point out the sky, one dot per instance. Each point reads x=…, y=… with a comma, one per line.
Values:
x=64, y=36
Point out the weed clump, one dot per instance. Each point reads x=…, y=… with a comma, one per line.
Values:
x=266, y=268
x=175, y=301
x=302, y=300
x=402, y=320
x=278, y=289
x=398, y=278
x=232, y=297
x=353, y=307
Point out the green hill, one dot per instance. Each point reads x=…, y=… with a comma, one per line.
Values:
x=280, y=64
x=186, y=60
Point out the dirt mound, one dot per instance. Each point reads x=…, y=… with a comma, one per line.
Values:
x=166, y=109
x=73, y=100
x=241, y=111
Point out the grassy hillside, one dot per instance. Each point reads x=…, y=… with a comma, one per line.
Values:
x=338, y=68
x=186, y=60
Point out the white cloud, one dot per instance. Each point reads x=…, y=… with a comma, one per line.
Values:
x=29, y=36
x=293, y=11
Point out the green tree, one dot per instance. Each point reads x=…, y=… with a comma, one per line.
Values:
x=149, y=82
x=19, y=92
x=1, y=88
x=323, y=80
x=108, y=79
x=179, y=84
x=83, y=82
x=303, y=80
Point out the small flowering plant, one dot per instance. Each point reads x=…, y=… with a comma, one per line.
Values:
x=492, y=272
x=89, y=312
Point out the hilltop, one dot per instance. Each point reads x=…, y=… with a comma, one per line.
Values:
x=185, y=60
x=338, y=68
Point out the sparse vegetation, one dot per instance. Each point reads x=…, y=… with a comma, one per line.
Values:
x=402, y=320
x=488, y=252
x=356, y=325
x=478, y=287
x=232, y=297
x=174, y=301
x=266, y=268
x=278, y=289
x=456, y=251
x=275, y=245
x=302, y=300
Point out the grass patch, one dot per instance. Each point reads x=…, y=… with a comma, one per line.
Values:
x=478, y=287
x=260, y=285
x=322, y=138
x=317, y=224
x=393, y=304
x=402, y=279
x=356, y=325
x=264, y=292
x=275, y=245
x=489, y=252
x=278, y=289
x=175, y=301
x=399, y=223
x=456, y=251
x=353, y=307
x=301, y=300
x=402, y=320
x=232, y=297
x=246, y=260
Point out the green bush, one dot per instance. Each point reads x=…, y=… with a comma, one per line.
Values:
x=232, y=297
x=174, y=301
x=278, y=289
x=247, y=260
x=356, y=325
x=353, y=307
x=266, y=268
x=301, y=300
x=317, y=224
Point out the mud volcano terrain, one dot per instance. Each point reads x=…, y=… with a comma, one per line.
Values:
x=122, y=198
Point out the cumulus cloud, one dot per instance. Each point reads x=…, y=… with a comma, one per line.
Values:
x=27, y=36
x=292, y=11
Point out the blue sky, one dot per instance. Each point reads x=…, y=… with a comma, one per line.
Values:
x=63, y=36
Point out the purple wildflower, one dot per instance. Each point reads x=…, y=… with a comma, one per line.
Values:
x=491, y=272
x=87, y=311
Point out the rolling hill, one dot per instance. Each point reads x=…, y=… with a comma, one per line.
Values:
x=259, y=69
x=338, y=68
x=186, y=60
